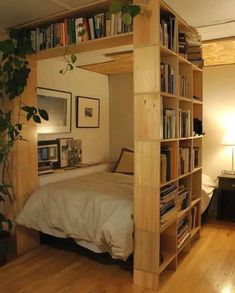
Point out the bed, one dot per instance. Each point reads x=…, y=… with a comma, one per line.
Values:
x=208, y=187
x=96, y=210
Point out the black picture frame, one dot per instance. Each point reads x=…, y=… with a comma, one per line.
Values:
x=87, y=112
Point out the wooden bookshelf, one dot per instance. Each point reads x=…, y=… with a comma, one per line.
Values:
x=144, y=53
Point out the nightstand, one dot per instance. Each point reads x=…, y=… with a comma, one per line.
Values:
x=226, y=197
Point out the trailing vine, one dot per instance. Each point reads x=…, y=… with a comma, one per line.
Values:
x=14, y=74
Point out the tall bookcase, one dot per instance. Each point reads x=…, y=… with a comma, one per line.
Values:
x=174, y=149
x=158, y=240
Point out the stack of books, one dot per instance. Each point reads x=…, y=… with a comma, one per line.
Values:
x=183, y=232
x=184, y=123
x=182, y=198
x=183, y=45
x=184, y=160
x=167, y=78
x=194, y=51
x=76, y=30
x=165, y=164
x=168, y=32
x=167, y=203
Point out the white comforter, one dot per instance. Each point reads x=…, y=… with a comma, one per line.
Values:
x=95, y=210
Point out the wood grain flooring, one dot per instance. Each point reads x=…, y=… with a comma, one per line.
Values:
x=208, y=268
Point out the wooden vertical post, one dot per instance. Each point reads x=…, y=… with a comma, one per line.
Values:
x=24, y=162
x=147, y=144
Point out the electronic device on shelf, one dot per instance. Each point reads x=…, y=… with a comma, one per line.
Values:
x=47, y=156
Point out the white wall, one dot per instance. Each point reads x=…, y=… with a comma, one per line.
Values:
x=121, y=113
x=219, y=115
x=95, y=141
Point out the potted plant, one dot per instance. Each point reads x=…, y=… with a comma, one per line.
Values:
x=14, y=73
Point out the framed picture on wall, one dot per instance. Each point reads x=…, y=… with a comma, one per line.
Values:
x=58, y=106
x=87, y=112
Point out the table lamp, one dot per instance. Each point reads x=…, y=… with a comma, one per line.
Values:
x=229, y=140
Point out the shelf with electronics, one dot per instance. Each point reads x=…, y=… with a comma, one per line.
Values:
x=167, y=87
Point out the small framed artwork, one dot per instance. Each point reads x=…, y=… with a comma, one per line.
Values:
x=58, y=106
x=63, y=145
x=87, y=112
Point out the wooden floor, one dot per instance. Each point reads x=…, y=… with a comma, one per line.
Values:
x=208, y=268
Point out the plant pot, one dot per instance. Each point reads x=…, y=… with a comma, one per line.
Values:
x=4, y=243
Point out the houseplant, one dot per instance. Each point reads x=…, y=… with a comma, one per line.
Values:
x=14, y=73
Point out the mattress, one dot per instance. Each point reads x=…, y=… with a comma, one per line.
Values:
x=96, y=210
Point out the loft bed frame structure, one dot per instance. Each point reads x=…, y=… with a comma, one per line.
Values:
x=139, y=52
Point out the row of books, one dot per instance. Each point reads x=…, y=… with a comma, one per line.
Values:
x=183, y=232
x=184, y=86
x=168, y=32
x=167, y=203
x=168, y=123
x=184, y=160
x=75, y=30
x=165, y=164
x=184, y=123
x=183, y=198
x=185, y=156
x=167, y=78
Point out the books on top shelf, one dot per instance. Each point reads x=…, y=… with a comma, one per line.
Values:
x=182, y=198
x=167, y=78
x=165, y=164
x=184, y=160
x=190, y=48
x=168, y=32
x=167, y=203
x=184, y=123
x=183, y=232
x=75, y=30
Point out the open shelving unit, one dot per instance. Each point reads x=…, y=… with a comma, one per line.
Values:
x=140, y=52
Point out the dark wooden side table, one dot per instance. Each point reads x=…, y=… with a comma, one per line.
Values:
x=226, y=197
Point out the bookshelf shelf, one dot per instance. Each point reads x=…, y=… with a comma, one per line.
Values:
x=168, y=182
x=195, y=201
x=169, y=222
x=197, y=102
x=168, y=258
x=167, y=52
x=92, y=45
x=185, y=99
x=182, y=246
x=183, y=212
x=168, y=95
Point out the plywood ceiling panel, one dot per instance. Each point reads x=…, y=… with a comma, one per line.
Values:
x=219, y=53
x=121, y=63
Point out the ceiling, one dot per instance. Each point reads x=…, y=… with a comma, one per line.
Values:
x=213, y=18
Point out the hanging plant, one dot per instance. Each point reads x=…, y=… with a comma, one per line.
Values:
x=129, y=11
x=14, y=74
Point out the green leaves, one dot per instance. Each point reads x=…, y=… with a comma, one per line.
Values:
x=35, y=114
x=7, y=46
x=129, y=11
x=116, y=6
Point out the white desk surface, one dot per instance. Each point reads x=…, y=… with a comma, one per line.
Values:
x=62, y=174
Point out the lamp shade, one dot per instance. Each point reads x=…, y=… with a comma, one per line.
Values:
x=229, y=138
